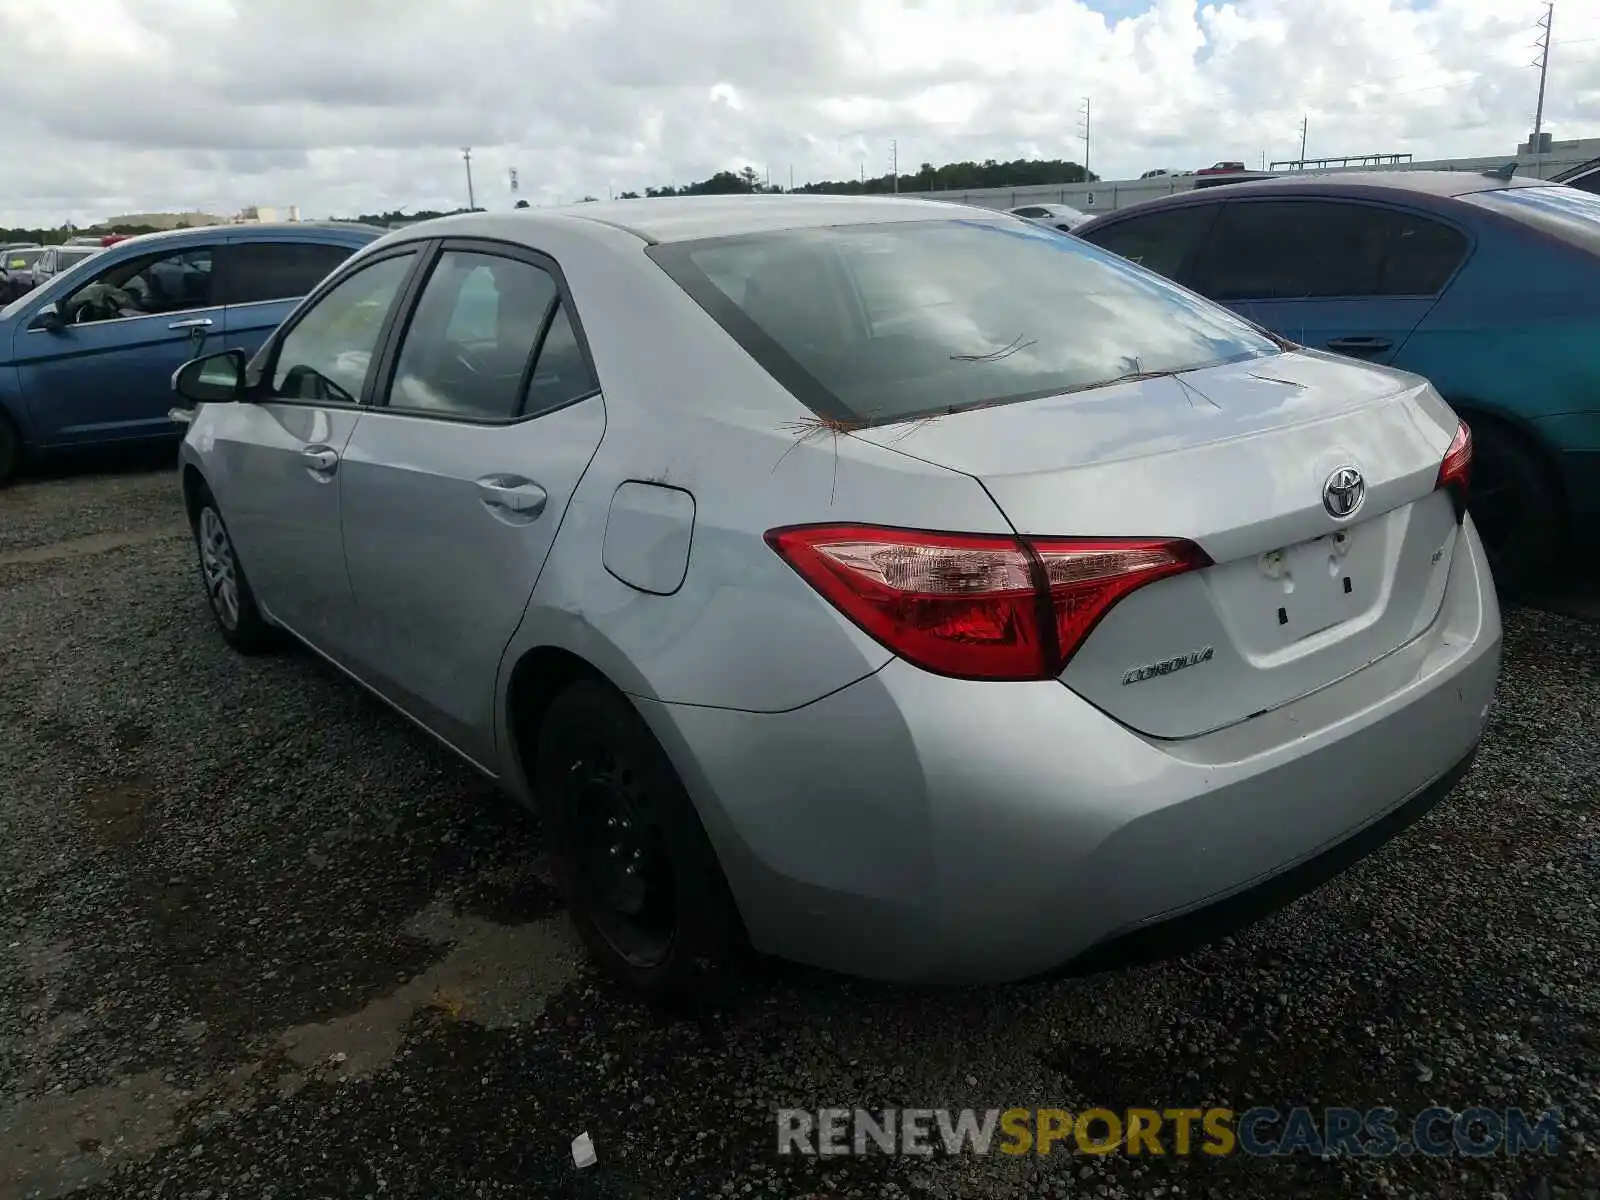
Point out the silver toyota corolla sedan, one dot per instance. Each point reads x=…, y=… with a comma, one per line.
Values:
x=897, y=587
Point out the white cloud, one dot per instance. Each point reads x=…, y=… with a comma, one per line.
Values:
x=363, y=105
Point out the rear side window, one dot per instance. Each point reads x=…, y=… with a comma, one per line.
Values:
x=1160, y=241
x=260, y=271
x=1309, y=249
x=1567, y=212
x=886, y=322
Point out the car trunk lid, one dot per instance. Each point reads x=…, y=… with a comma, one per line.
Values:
x=1236, y=458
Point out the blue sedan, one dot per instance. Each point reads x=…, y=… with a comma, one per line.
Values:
x=1483, y=283
x=87, y=359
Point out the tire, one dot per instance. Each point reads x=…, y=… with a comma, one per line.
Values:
x=1516, y=506
x=10, y=451
x=228, y=594
x=611, y=801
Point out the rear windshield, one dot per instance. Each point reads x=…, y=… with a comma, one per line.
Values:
x=886, y=322
x=65, y=258
x=1566, y=212
x=17, y=260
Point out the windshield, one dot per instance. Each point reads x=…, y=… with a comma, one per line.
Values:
x=887, y=322
x=1566, y=212
x=19, y=260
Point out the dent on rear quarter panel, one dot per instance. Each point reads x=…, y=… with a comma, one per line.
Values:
x=742, y=630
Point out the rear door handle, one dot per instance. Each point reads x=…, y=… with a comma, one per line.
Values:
x=192, y=323
x=320, y=460
x=1360, y=345
x=512, y=496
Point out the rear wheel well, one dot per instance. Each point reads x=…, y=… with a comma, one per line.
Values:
x=1528, y=522
x=1514, y=431
x=538, y=678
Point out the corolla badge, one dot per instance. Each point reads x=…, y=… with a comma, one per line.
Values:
x=1343, y=493
x=1166, y=667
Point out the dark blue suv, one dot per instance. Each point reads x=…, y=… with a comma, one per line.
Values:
x=87, y=359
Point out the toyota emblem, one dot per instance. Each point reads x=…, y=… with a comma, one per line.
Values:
x=1344, y=492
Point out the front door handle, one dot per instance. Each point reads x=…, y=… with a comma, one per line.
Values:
x=192, y=323
x=320, y=460
x=1360, y=345
x=512, y=496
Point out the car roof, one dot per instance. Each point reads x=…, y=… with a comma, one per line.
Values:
x=1444, y=184
x=659, y=219
x=265, y=231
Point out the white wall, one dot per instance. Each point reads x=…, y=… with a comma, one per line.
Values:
x=1106, y=195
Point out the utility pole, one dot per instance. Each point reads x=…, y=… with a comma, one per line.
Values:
x=791, y=177
x=1544, y=69
x=894, y=163
x=1305, y=124
x=1084, y=133
x=466, y=157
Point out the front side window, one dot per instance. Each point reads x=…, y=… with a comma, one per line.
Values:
x=1160, y=241
x=262, y=271
x=887, y=322
x=1317, y=249
x=328, y=354
x=467, y=350
x=151, y=285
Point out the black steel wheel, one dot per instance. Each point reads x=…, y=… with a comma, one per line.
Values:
x=633, y=861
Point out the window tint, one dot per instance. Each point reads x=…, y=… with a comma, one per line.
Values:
x=886, y=322
x=469, y=344
x=1566, y=212
x=260, y=271
x=137, y=287
x=328, y=353
x=562, y=373
x=1030, y=212
x=1587, y=183
x=1160, y=242
x=1302, y=249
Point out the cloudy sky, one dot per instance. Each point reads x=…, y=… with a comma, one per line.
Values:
x=348, y=106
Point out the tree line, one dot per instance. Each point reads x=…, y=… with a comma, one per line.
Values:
x=956, y=176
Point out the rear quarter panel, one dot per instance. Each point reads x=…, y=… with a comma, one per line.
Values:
x=1518, y=331
x=1517, y=337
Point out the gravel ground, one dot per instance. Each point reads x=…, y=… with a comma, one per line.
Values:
x=260, y=938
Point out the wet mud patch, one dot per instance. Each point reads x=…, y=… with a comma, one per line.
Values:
x=118, y=813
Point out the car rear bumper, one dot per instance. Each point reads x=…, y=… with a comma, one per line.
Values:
x=918, y=828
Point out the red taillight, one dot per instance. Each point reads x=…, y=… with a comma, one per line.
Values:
x=977, y=606
x=1455, y=472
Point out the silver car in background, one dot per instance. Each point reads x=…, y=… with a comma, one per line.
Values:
x=902, y=589
x=1058, y=216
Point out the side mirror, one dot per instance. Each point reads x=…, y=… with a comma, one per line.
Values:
x=214, y=379
x=49, y=319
